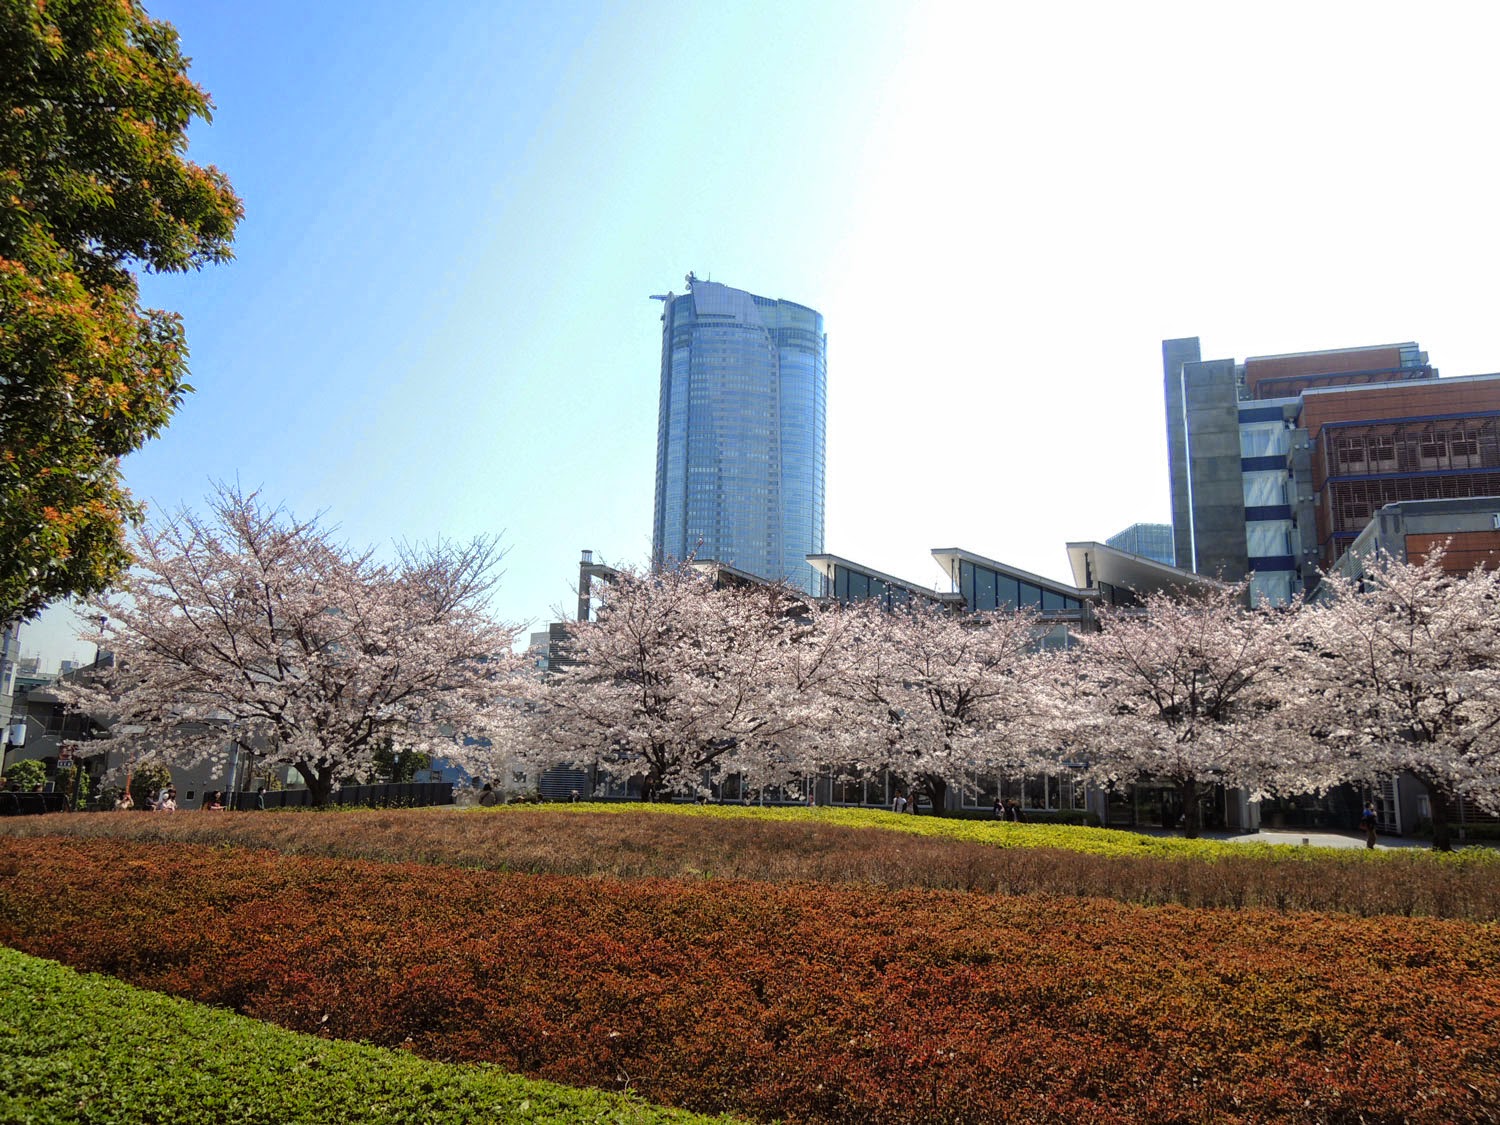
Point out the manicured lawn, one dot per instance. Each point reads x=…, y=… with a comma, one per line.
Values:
x=83, y=1048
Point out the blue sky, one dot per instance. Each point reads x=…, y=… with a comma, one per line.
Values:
x=438, y=322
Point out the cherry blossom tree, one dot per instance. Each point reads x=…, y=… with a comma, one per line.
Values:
x=803, y=657
x=250, y=626
x=1407, y=669
x=1186, y=691
x=935, y=697
x=685, y=681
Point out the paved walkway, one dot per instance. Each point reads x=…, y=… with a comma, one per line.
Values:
x=1317, y=839
x=1300, y=838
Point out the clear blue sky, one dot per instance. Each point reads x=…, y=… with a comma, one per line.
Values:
x=438, y=321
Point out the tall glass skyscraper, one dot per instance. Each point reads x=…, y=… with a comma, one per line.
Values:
x=741, y=433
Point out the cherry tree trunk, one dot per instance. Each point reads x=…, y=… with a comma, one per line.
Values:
x=937, y=791
x=1192, y=814
x=319, y=782
x=1443, y=806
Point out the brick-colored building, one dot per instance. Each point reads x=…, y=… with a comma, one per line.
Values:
x=1371, y=446
x=1467, y=531
x=1279, y=462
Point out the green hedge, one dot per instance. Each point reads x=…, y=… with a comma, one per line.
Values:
x=1033, y=816
x=1487, y=831
x=80, y=1048
x=977, y=830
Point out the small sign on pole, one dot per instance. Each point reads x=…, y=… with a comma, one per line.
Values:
x=64, y=756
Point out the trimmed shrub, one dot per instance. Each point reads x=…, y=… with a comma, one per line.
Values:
x=83, y=1048
x=146, y=782
x=827, y=847
x=26, y=774
x=801, y=1002
x=1485, y=831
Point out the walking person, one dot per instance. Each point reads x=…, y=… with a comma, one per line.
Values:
x=1367, y=821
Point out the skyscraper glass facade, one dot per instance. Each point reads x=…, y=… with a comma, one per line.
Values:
x=1149, y=540
x=741, y=433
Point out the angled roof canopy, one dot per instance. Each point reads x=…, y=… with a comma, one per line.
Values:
x=826, y=564
x=1095, y=563
x=949, y=558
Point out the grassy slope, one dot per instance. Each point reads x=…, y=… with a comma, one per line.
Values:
x=83, y=1048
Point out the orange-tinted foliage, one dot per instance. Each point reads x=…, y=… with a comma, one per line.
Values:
x=664, y=846
x=805, y=1002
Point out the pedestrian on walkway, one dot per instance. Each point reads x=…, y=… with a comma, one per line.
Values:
x=1367, y=821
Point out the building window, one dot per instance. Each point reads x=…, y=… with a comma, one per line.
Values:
x=1264, y=489
x=984, y=588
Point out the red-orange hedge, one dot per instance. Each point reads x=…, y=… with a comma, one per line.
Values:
x=802, y=1002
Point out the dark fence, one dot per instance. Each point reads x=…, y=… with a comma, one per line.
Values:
x=376, y=796
x=28, y=804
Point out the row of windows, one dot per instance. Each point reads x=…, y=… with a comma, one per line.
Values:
x=852, y=586
x=985, y=589
x=1459, y=448
x=1350, y=504
x=1038, y=791
x=879, y=789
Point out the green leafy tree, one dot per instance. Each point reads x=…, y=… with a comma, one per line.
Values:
x=146, y=782
x=95, y=103
x=27, y=774
x=76, y=782
x=388, y=764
